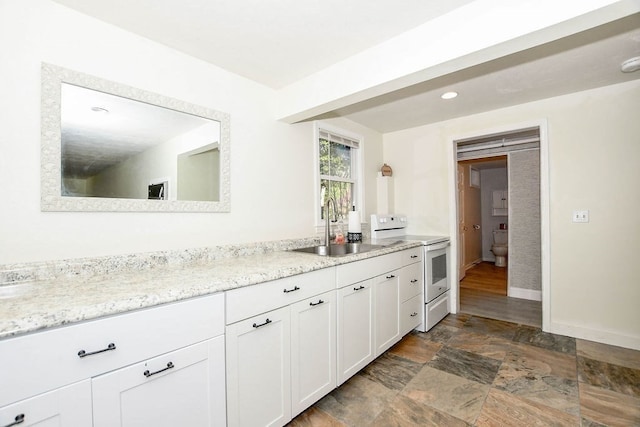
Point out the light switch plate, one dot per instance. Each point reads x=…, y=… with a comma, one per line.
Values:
x=580, y=216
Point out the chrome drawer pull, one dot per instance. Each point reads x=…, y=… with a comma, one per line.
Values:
x=83, y=353
x=148, y=374
x=414, y=314
x=295, y=288
x=255, y=325
x=316, y=303
x=357, y=289
x=414, y=280
x=391, y=276
x=414, y=256
x=19, y=419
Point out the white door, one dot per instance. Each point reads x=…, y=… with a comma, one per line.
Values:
x=184, y=387
x=387, y=311
x=259, y=370
x=355, y=328
x=65, y=406
x=313, y=350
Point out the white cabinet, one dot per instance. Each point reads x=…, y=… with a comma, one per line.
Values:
x=110, y=356
x=184, y=387
x=258, y=370
x=387, y=311
x=379, y=301
x=282, y=359
x=500, y=202
x=313, y=350
x=411, y=300
x=65, y=406
x=355, y=328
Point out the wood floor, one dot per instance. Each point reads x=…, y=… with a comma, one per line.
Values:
x=483, y=292
x=486, y=277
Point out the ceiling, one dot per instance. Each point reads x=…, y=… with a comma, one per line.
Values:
x=280, y=42
x=274, y=42
x=580, y=62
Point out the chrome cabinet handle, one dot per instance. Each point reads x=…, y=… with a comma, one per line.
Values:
x=295, y=288
x=316, y=303
x=391, y=276
x=266, y=322
x=148, y=374
x=357, y=289
x=414, y=314
x=19, y=419
x=414, y=256
x=414, y=280
x=83, y=353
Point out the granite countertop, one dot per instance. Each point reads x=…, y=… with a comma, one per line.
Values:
x=32, y=305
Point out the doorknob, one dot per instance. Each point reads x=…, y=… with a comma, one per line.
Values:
x=476, y=227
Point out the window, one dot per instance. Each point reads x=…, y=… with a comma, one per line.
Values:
x=338, y=155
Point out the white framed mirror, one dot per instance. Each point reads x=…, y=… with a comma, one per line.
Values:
x=114, y=148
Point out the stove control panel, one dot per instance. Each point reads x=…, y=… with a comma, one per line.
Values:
x=387, y=222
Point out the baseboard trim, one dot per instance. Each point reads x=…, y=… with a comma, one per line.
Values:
x=522, y=293
x=604, y=337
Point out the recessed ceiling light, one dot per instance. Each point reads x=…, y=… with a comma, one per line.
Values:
x=99, y=110
x=449, y=95
x=630, y=65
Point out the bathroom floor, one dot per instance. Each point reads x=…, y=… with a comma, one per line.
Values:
x=473, y=371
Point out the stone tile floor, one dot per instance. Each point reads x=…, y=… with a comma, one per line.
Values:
x=474, y=371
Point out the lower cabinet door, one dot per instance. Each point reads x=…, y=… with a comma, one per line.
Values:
x=184, y=387
x=259, y=370
x=387, y=311
x=355, y=328
x=313, y=350
x=68, y=406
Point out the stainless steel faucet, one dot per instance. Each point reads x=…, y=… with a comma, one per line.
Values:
x=327, y=230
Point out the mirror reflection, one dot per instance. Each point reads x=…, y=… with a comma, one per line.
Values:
x=118, y=147
x=112, y=147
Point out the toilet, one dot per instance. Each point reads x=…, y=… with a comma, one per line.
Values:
x=500, y=247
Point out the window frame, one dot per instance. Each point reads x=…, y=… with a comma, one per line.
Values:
x=357, y=168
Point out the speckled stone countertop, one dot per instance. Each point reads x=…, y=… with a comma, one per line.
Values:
x=46, y=295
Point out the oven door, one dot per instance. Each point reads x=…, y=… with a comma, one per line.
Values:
x=436, y=269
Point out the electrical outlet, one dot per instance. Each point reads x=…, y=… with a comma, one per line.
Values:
x=580, y=216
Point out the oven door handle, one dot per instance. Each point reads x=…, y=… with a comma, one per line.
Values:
x=437, y=246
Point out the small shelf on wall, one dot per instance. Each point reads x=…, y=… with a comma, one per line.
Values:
x=500, y=203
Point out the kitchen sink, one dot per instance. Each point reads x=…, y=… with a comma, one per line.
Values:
x=335, y=250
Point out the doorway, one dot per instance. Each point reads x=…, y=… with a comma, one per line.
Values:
x=499, y=289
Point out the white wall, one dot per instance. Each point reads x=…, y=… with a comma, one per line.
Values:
x=271, y=162
x=593, y=161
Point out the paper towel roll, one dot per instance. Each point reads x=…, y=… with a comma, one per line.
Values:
x=354, y=222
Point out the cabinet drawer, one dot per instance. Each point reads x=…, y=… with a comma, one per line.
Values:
x=347, y=274
x=36, y=363
x=250, y=301
x=409, y=256
x=411, y=314
x=410, y=281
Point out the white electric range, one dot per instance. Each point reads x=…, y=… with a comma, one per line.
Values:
x=388, y=228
